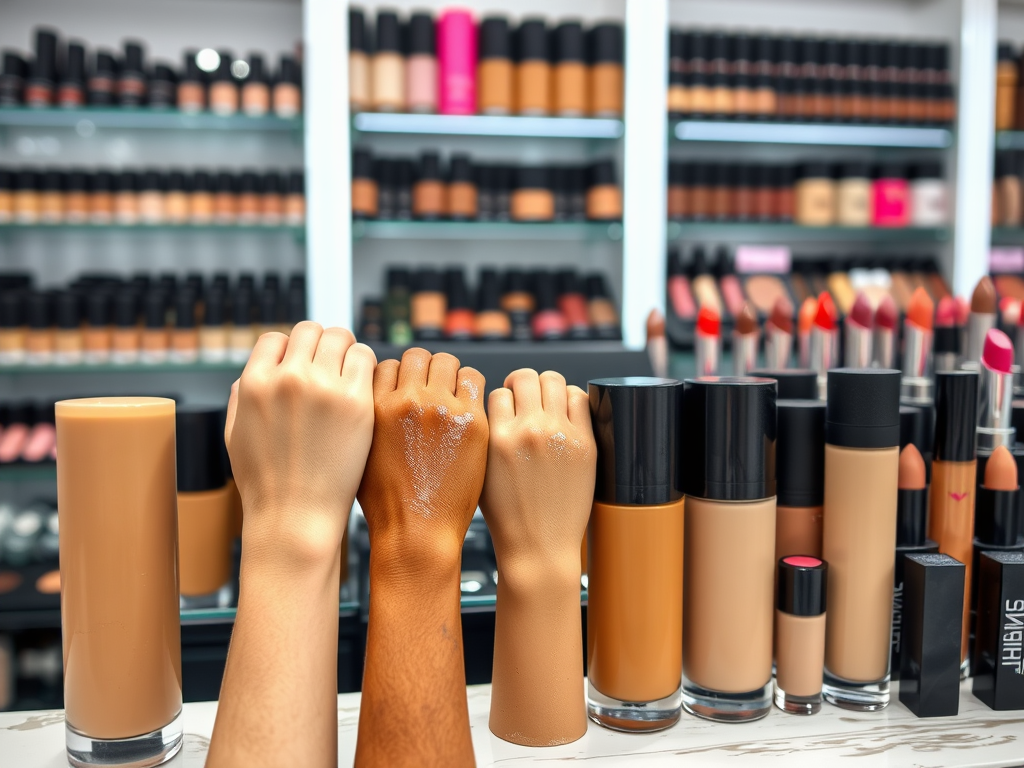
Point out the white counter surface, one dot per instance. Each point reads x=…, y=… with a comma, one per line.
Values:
x=891, y=738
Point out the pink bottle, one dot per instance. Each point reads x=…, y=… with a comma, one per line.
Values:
x=456, y=58
x=890, y=197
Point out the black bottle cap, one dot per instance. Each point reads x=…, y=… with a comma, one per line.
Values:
x=152, y=180
x=74, y=67
x=163, y=73
x=199, y=447
x=956, y=415
x=389, y=33
x=12, y=309
x=362, y=163
x=68, y=310
x=855, y=170
x=27, y=179
x=677, y=46
x=532, y=40
x=429, y=166
x=296, y=183
x=241, y=306
x=295, y=305
x=421, y=34
x=863, y=408
x=185, y=309
x=794, y=383
x=357, y=38
x=100, y=181
x=800, y=453
x=891, y=170
x=250, y=183
x=289, y=71
x=428, y=280
x=126, y=181
x=202, y=182
x=398, y=279
x=134, y=57
x=636, y=425
x=601, y=173
x=223, y=71
x=272, y=184
x=270, y=305
x=126, y=308
x=742, y=47
x=545, y=292
x=456, y=289
x=489, y=291
x=154, y=306
x=569, y=42
x=927, y=170
x=461, y=169
x=225, y=182
x=40, y=308
x=191, y=71
x=997, y=520
x=815, y=170
x=531, y=177
x=45, y=64
x=569, y=282
x=802, y=585
x=730, y=424
x=53, y=181
x=495, y=40
x=177, y=181
x=97, y=307
x=106, y=64
x=14, y=65
x=257, y=71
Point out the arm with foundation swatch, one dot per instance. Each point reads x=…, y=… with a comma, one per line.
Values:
x=419, y=492
x=537, y=496
x=299, y=427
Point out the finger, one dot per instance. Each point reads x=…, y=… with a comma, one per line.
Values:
x=330, y=350
x=229, y=420
x=501, y=406
x=358, y=366
x=303, y=342
x=385, y=378
x=525, y=385
x=268, y=352
x=444, y=370
x=552, y=393
x=413, y=370
x=470, y=389
x=579, y=406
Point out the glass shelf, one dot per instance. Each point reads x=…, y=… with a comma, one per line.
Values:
x=30, y=370
x=346, y=608
x=87, y=118
x=812, y=133
x=1010, y=140
x=298, y=231
x=486, y=230
x=486, y=125
x=28, y=473
x=794, y=232
x=1008, y=235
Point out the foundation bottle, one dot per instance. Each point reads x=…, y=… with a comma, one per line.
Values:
x=200, y=204
x=701, y=102
x=456, y=60
x=13, y=328
x=549, y=324
x=163, y=88
x=1006, y=86
x=492, y=322
x=213, y=334
x=225, y=199
x=428, y=306
x=604, y=198
x=125, y=341
x=51, y=198
x=572, y=304
x=126, y=198
x=205, y=514
x=96, y=335
x=131, y=79
x=287, y=92
x=151, y=197
x=42, y=73
x=76, y=198
x=176, y=198
x=101, y=197
x=421, y=65
x=295, y=199
x=1007, y=208
x=800, y=470
x=256, y=88
x=223, y=91
x=428, y=193
x=569, y=70
x=784, y=194
x=272, y=200
x=494, y=70
x=678, y=85
x=184, y=344
x=928, y=196
x=606, y=75
x=815, y=196
x=519, y=303
x=388, y=65
x=7, y=187
x=249, y=194
x=358, y=62
x=154, y=342
x=853, y=196
x=635, y=556
x=396, y=307
x=242, y=337
x=862, y=437
x=462, y=192
x=459, y=319
x=532, y=198
x=192, y=86
x=604, y=318
x=890, y=193
x=12, y=80
x=39, y=337
x=67, y=334
x=116, y=493
x=26, y=197
x=533, y=72
x=800, y=634
x=364, y=185
x=678, y=202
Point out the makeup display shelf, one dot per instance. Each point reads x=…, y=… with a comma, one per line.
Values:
x=487, y=230
x=1010, y=140
x=485, y=125
x=820, y=134
x=1007, y=235
x=776, y=233
x=28, y=473
x=86, y=120
x=296, y=230
x=159, y=368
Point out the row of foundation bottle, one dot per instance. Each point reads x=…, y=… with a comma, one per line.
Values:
x=429, y=305
x=736, y=75
x=1007, y=190
x=153, y=196
x=58, y=76
x=812, y=194
x=402, y=189
x=455, y=66
x=100, y=320
x=27, y=435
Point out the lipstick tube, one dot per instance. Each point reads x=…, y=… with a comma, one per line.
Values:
x=800, y=634
x=917, y=364
x=823, y=356
x=995, y=409
x=862, y=437
x=707, y=351
x=728, y=473
x=778, y=347
x=635, y=556
x=946, y=348
x=954, y=473
x=998, y=649
x=744, y=353
x=978, y=326
x=804, y=351
x=857, y=353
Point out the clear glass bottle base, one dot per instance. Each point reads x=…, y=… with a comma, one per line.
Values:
x=222, y=598
x=797, y=705
x=633, y=716
x=150, y=749
x=858, y=697
x=727, y=707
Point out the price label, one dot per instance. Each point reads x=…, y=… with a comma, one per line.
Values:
x=773, y=259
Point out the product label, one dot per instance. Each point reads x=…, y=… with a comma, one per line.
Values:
x=1013, y=636
x=1006, y=259
x=771, y=259
x=897, y=619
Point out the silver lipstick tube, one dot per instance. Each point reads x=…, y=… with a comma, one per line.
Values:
x=744, y=353
x=778, y=348
x=804, y=341
x=978, y=326
x=916, y=387
x=885, y=348
x=823, y=356
x=708, y=351
x=857, y=353
x=995, y=410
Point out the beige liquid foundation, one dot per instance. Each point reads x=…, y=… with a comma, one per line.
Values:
x=119, y=580
x=728, y=469
x=862, y=445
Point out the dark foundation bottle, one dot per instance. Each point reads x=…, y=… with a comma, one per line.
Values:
x=700, y=192
x=131, y=81
x=385, y=172
x=364, y=186
x=41, y=84
x=462, y=190
x=569, y=73
x=404, y=176
x=721, y=191
x=428, y=193
x=678, y=89
x=12, y=80
x=71, y=91
x=102, y=86
x=460, y=320
x=163, y=88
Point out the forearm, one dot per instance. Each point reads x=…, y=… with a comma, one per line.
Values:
x=414, y=709
x=537, y=682
x=278, y=701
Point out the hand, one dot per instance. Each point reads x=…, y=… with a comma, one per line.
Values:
x=298, y=430
x=426, y=467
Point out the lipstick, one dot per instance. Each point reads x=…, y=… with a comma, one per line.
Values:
x=657, y=344
x=744, y=341
x=708, y=342
x=778, y=335
x=917, y=351
x=857, y=353
x=946, y=338
x=885, y=333
x=997, y=523
x=980, y=321
x=995, y=393
x=805, y=322
x=823, y=340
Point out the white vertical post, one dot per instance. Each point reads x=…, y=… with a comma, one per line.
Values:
x=974, y=143
x=328, y=180
x=646, y=162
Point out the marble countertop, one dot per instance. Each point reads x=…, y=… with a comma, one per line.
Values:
x=894, y=737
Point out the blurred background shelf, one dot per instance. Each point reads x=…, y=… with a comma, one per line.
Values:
x=1010, y=140
x=158, y=229
x=86, y=119
x=486, y=230
x=483, y=125
x=821, y=134
x=159, y=368
x=1008, y=235
x=784, y=233
x=28, y=473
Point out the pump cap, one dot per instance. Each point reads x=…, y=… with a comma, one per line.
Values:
x=956, y=415
x=606, y=44
x=863, y=408
x=803, y=585
x=199, y=441
x=800, y=453
x=532, y=39
x=569, y=43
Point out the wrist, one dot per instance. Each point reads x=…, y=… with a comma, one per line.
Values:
x=431, y=563
x=551, y=577
x=292, y=539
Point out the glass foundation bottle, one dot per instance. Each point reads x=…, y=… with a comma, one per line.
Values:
x=42, y=73
x=421, y=65
x=96, y=335
x=295, y=199
x=39, y=336
x=462, y=191
x=26, y=197
x=200, y=204
x=76, y=197
x=102, y=83
x=125, y=341
x=428, y=193
x=6, y=196
x=428, y=306
x=635, y=556
x=12, y=80
x=495, y=70
x=192, y=86
x=213, y=334
x=132, y=88
x=176, y=198
x=256, y=88
x=287, y=92
x=532, y=198
x=853, y=196
x=533, y=70
x=67, y=334
x=243, y=334
x=364, y=185
x=51, y=197
x=163, y=88
x=569, y=71
x=272, y=200
x=815, y=196
x=800, y=634
x=223, y=91
x=126, y=198
x=491, y=322
x=184, y=342
x=358, y=62
x=388, y=66
x=225, y=199
x=1006, y=86
x=155, y=341
x=728, y=468
x=151, y=197
x=13, y=328
x=100, y=189
x=604, y=197
x=249, y=194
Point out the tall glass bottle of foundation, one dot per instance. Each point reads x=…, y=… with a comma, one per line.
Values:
x=421, y=65
x=570, y=70
x=606, y=76
x=205, y=508
x=494, y=71
x=387, y=69
x=122, y=635
x=800, y=470
x=533, y=70
x=635, y=558
x=358, y=62
x=800, y=634
x=728, y=473
x=862, y=439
